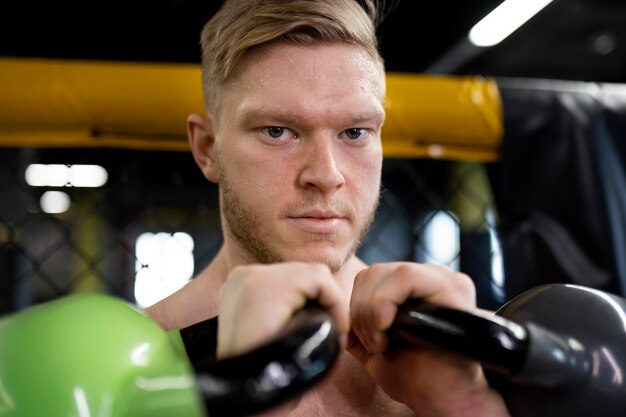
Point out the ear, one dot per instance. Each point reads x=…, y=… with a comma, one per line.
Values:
x=202, y=141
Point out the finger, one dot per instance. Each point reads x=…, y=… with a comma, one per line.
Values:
x=356, y=348
x=257, y=302
x=362, y=314
x=433, y=283
x=321, y=285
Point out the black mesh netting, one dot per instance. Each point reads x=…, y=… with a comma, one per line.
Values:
x=435, y=211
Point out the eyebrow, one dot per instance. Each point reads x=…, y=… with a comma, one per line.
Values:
x=283, y=117
x=263, y=115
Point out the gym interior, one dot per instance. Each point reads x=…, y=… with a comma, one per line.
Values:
x=504, y=158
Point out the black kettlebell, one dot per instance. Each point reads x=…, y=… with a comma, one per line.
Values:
x=272, y=374
x=555, y=350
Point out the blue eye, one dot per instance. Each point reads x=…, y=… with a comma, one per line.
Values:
x=275, y=132
x=355, y=133
x=277, y=135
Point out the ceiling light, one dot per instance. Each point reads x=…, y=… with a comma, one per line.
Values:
x=54, y=202
x=504, y=20
x=59, y=175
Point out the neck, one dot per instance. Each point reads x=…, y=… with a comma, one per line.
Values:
x=201, y=294
x=227, y=259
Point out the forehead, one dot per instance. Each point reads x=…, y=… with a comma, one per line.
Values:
x=327, y=77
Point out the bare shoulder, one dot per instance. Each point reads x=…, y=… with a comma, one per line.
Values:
x=195, y=302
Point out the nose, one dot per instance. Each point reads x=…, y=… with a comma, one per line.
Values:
x=321, y=167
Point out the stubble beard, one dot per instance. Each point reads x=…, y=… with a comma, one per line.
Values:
x=244, y=224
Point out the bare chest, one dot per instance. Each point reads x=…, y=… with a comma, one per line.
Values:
x=348, y=392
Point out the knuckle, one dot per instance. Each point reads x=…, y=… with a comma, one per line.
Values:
x=407, y=270
x=359, y=278
x=464, y=286
x=463, y=281
x=375, y=269
x=245, y=277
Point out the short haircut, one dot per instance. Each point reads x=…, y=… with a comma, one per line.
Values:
x=241, y=25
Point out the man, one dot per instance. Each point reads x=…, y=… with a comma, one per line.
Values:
x=294, y=93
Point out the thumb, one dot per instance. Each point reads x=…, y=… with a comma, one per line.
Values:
x=356, y=348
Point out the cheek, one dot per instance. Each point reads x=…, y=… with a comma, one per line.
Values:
x=366, y=174
x=258, y=175
x=369, y=194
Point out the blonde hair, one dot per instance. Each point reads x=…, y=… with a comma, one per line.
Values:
x=244, y=24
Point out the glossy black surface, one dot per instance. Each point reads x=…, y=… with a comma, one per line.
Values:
x=498, y=344
x=570, y=362
x=274, y=373
x=594, y=319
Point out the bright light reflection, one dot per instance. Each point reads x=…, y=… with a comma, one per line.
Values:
x=81, y=402
x=164, y=383
x=6, y=402
x=504, y=20
x=497, y=267
x=609, y=300
x=138, y=355
x=164, y=265
x=442, y=241
x=58, y=175
x=314, y=341
x=617, y=371
x=54, y=202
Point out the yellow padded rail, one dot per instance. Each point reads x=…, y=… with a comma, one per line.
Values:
x=442, y=117
x=63, y=103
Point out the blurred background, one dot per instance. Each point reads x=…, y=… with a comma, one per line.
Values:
x=138, y=220
x=581, y=40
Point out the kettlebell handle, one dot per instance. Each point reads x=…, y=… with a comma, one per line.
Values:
x=296, y=360
x=522, y=352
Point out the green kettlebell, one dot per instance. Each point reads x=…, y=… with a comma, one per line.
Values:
x=91, y=355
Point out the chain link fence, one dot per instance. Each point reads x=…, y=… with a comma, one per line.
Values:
x=155, y=222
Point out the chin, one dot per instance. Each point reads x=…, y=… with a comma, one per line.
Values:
x=335, y=259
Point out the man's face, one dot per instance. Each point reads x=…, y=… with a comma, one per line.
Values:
x=299, y=153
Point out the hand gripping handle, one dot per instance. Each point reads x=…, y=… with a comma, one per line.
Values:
x=274, y=373
x=524, y=353
x=497, y=343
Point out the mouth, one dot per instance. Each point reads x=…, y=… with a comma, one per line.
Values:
x=321, y=222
